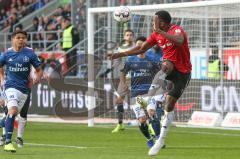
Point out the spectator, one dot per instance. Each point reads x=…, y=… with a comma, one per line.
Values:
x=41, y=25
x=34, y=28
x=58, y=24
x=81, y=3
x=24, y=11
x=13, y=20
x=67, y=10
x=70, y=38
x=81, y=21
x=45, y=22
x=3, y=14
x=52, y=67
x=18, y=27
x=214, y=66
x=39, y=4
x=50, y=36
x=60, y=11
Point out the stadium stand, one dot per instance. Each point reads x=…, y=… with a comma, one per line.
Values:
x=16, y=9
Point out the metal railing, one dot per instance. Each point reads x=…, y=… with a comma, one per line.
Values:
x=39, y=41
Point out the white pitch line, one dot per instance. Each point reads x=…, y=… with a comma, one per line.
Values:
x=168, y=146
x=207, y=133
x=62, y=146
x=187, y=132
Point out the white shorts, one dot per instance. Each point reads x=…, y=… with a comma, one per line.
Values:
x=15, y=98
x=159, y=98
x=139, y=112
x=152, y=104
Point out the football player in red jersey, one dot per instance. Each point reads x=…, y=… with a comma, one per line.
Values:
x=176, y=66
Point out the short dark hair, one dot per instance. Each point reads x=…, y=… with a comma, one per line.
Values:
x=141, y=38
x=19, y=32
x=164, y=15
x=66, y=19
x=128, y=30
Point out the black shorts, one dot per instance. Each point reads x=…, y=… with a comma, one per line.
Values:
x=180, y=81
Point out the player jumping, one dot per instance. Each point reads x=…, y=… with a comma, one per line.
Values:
x=142, y=70
x=176, y=66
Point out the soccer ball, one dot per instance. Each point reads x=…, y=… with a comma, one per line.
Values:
x=122, y=14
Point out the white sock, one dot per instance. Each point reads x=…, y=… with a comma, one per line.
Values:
x=3, y=128
x=3, y=131
x=21, y=126
x=167, y=120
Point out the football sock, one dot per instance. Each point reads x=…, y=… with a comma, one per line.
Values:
x=144, y=129
x=167, y=120
x=4, y=125
x=2, y=122
x=160, y=112
x=9, y=127
x=120, y=113
x=155, y=125
x=3, y=131
x=21, y=126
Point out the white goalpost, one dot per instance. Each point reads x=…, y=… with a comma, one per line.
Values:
x=212, y=27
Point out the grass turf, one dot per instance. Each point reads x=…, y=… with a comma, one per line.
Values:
x=73, y=141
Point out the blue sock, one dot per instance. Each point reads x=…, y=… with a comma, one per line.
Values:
x=9, y=127
x=155, y=125
x=2, y=122
x=144, y=129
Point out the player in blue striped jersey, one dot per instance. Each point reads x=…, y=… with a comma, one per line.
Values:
x=18, y=61
x=142, y=70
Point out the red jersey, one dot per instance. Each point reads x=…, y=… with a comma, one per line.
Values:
x=179, y=55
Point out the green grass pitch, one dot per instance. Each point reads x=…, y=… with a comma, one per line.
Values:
x=76, y=141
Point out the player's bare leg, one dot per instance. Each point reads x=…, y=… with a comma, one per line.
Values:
x=167, y=120
x=159, y=83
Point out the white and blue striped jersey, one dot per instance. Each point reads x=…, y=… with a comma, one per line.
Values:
x=142, y=71
x=18, y=68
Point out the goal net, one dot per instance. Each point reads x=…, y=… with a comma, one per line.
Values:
x=213, y=29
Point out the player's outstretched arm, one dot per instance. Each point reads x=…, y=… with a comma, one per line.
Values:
x=135, y=51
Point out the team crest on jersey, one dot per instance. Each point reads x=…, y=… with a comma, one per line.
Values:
x=135, y=65
x=25, y=59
